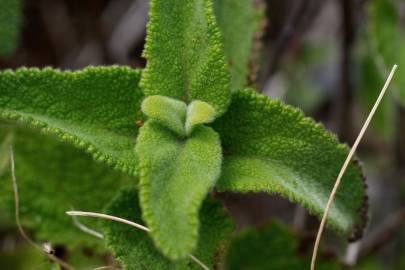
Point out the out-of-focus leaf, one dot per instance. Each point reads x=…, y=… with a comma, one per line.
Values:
x=273, y=247
x=10, y=23
x=53, y=178
x=386, y=36
x=23, y=258
x=370, y=87
x=239, y=22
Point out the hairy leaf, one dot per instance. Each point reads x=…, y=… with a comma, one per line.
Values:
x=175, y=177
x=198, y=113
x=239, y=22
x=55, y=177
x=269, y=146
x=10, y=21
x=94, y=109
x=273, y=247
x=184, y=54
x=135, y=249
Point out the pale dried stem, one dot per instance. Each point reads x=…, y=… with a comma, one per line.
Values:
x=86, y=229
x=108, y=267
x=108, y=217
x=345, y=165
x=18, y=222
x=127, y=222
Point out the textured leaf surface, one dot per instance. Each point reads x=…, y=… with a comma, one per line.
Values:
x=273, y=247
x=175, y=177
x=52, y=178
x=198, y=113
x=269, y=146
x=94, y=109
x=135, y=249
x=184, y=54
x=239, y=21
x=10, y=20
x=169, y=112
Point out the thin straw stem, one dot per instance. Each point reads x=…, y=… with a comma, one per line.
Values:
x=18, y=222
x=127, y=222
x=346, y=163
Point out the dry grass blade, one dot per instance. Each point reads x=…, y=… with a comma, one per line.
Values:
x=108, y=268
x=108, y=217
x=346, y=163
x=18, y=222
x=86, y=229
x=127, y=222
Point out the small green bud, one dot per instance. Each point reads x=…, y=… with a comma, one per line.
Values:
x=198, y=112
x=170, y=112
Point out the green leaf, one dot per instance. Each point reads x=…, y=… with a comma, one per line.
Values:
x=184, y=54
x=239, y=22
x=384, y=30
x=94, y=109
x=386, y=36
x=198, y=113
x=370, y=84
x=169, y=112
x=175, y=176
x=23, y=257
x=269, y=146
x=135, y=250
x=55, y=177
x=10, y=22
x=273, y=247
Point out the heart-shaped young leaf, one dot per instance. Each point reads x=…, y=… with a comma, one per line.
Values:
x=169, y=112
x=55, y=177
x=269, y=146
x=94, y=109
x=175, y=176
x=239, y=22
x=10, y=21
x=184, y=54
x=135, y=249
x=198, y=113
x=273, y=247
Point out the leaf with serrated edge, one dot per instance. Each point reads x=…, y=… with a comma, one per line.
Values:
x=54, y=177
x=135, y=249
x=269, y=146
x=175, y=176
x=10, y=22
x=184, y=54
x=239, y=21
x=94, y=109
